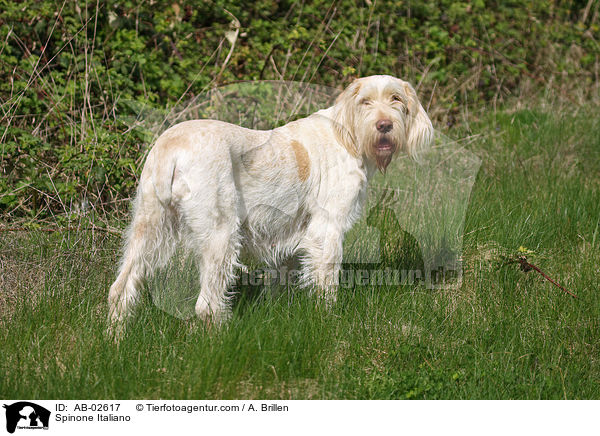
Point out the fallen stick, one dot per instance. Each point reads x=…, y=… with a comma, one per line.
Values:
x=527, y=266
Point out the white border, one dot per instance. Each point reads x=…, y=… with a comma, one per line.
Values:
x=323, y=417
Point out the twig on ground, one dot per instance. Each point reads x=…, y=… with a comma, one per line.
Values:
x=527, y=266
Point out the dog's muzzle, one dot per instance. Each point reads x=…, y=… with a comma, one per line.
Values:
x=384, y=150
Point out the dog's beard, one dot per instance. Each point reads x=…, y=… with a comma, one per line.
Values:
x=384, y=150
x=380, y=149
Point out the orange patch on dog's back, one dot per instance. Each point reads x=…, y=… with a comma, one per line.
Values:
x=302, y=160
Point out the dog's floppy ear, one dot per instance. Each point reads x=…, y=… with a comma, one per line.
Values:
x=419, y=133
x=343, y=121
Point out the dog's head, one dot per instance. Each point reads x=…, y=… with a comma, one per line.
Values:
x=377, y=116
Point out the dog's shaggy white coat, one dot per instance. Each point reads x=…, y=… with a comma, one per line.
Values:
x=220, y=189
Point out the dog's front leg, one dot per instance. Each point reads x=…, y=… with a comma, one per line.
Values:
x=323, y=246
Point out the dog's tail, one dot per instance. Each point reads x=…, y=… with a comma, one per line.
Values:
x=162, y=173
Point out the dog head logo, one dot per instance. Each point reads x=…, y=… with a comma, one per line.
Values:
x=26, y=415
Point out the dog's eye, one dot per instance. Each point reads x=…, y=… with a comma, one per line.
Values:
x=397, y=99
x=365, y=101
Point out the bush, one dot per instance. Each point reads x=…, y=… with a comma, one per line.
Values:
x=69, y=74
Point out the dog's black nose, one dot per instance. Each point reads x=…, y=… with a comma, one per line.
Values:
x=384, y=126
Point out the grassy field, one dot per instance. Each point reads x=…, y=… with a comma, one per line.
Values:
x=503, y=334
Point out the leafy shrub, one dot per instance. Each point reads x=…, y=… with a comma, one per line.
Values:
x=70, y=72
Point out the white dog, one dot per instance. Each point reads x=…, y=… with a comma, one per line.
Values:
x=221, y=188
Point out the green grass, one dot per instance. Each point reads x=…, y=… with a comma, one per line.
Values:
x=502, y=334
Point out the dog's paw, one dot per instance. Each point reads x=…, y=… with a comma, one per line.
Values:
x=327, y=297
x=212, y=315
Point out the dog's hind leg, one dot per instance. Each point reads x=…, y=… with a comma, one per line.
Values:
x=151, y=241
x=218, y=262
x=212, y=229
